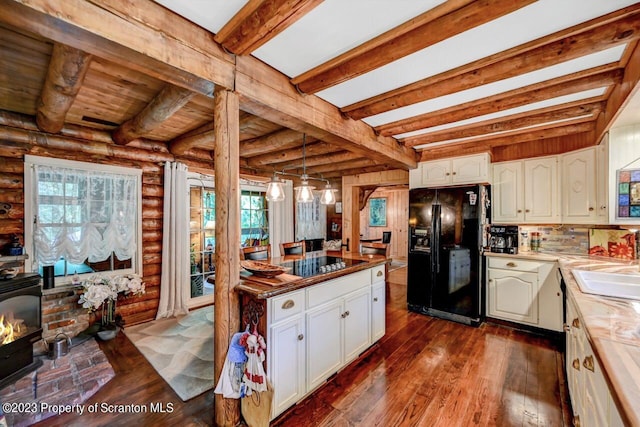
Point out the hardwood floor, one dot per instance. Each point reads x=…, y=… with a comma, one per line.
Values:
x=424, y=372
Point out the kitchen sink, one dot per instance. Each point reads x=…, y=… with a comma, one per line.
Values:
x=608, y=284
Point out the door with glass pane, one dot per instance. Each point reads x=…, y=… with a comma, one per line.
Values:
x=202, y=242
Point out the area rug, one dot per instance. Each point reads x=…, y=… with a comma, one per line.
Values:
x=180, y=349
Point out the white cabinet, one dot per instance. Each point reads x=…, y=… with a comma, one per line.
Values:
x=591, y=399
x=378, y=324
x=602, y=181
x=286, y=350
x=526, y=191
x=513, y=295
x=314, y=332
x=524, y=291
x=579, y=196
x=471, y=169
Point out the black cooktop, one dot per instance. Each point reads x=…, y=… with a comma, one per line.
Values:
x=307, y=267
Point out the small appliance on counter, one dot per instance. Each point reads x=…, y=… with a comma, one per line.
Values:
x=504, y=239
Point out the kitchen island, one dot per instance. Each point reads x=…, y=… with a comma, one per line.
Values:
x=317, y=322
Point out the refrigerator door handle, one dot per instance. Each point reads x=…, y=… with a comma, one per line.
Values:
x=436, y=225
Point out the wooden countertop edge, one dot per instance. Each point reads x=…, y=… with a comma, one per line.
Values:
x=262, y=291
x=610, y=352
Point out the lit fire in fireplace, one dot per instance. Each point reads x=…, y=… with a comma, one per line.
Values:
x=10, y=330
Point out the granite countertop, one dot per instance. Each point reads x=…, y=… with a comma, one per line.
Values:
x=260, y=290
x=612, y=325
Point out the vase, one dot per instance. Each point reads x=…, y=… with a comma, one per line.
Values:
x=108, y=313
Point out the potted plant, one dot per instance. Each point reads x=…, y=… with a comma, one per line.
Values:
x=102, y=292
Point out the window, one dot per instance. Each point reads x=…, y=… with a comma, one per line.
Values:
x=254, y=218
x=84, y=217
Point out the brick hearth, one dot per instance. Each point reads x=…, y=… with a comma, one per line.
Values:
x=68, y=380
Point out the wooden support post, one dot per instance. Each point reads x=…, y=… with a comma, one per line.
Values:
x=226, y=116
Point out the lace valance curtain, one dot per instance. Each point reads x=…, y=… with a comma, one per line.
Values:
x=83, y=214
x=311, y=220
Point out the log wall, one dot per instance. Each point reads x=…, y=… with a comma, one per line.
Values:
x=15, y=143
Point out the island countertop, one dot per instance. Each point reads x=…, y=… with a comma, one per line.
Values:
x=261, y=289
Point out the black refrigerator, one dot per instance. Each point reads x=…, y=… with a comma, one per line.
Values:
x=447, y=233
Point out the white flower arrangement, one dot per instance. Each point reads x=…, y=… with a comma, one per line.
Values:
x=101, y=288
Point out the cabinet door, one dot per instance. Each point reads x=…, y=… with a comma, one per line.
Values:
x=286, y=363
x=324, y=342
x=541, y=190
x=513, y=295
x=470, y=169
x=579, y=186
x=507, y=193
x=437, y=172
x=357, y=323
x=602, y=183
x=378, y=322
x=573, y=359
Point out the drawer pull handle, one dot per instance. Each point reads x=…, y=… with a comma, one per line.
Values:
x=575, y=323
x=588, y=363
x=576, y=421
x=300, y=337
x=380, y=273
x=343, y=315
x=375, y=299
x=576, y=364
x=288, y=304
x=347, y=313
x=512, y=264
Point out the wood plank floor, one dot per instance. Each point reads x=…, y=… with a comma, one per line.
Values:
x=424, y=372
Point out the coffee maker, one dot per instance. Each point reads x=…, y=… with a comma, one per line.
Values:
x=504, y=239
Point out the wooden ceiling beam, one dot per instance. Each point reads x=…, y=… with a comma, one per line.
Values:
x=324, y=159
x=259, y=21
x=487, y=143
x=602, y=33
x=67, y=70
x=131, y=33
x=275, y=141
x=622, y=92
x=268, y=94
x=356, y=171
x=170, y=100
x=572, y=83
x=275, y=158
x=512, y=122
x=443, y=21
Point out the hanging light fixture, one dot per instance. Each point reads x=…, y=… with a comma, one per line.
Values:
x=304, y=192
x=275, y=192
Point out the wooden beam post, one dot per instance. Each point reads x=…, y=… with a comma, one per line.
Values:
x=226, y=116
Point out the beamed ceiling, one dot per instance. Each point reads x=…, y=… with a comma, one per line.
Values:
x=374, y=84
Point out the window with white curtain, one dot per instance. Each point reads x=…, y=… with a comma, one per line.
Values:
x=81, y=217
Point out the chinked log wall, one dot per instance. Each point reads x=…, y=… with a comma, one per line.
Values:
x=19, y=136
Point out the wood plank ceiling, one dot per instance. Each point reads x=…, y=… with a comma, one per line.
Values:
x=415, y=79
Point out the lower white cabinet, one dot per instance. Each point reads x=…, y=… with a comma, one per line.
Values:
x=524, y=291
x=591, y=399
x=378, y=301
x=316, y=331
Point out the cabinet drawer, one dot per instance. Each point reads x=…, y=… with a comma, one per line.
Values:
x=319, y=294
x=378, y=273
x=514, y=264
x=287, y=305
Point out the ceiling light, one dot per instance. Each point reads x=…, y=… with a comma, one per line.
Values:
x=304, y=192
x=275, y=192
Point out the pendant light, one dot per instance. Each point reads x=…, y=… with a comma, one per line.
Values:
x=304, y=193
x=275, y=192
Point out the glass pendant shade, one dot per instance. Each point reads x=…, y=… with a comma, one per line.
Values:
x=328, y=196
x=304, y=192
x=275, y=192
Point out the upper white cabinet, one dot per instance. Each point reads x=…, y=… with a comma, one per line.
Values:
x=526, y=191
x=472, y=169
x=584, y=187
x=602, y=181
